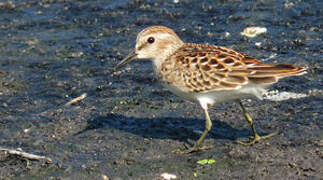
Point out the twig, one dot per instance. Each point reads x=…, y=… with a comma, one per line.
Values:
x=76, y=99
x=26, y=155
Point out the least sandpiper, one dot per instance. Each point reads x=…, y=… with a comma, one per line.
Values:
x=207, y=74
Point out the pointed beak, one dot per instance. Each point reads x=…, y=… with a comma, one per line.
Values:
x=131, y=56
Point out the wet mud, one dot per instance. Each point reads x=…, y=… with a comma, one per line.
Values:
x=52, y=51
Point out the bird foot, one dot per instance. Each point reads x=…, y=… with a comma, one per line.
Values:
x=257, y=138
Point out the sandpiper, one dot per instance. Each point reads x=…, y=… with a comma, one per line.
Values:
x=207, y=74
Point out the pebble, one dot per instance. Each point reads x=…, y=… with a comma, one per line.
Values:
x=252, y=32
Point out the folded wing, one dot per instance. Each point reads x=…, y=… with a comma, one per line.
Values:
x=207, y=68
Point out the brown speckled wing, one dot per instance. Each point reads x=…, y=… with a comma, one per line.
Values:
x=204, y=68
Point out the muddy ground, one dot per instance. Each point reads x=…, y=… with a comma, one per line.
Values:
x=52, y=51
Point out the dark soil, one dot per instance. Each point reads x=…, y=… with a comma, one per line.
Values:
x=127, y=127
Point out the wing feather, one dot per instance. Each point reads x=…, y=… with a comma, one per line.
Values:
x=207, y=68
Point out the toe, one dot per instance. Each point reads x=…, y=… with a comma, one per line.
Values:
x=257, y=138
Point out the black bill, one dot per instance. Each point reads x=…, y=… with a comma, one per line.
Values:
x=131, y=56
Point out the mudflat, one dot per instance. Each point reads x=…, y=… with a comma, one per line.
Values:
x=59, y=99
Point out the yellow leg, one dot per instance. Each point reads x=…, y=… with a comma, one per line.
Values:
x=256, y=137
x=197, y=146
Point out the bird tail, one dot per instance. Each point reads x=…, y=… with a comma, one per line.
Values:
x=271, y=73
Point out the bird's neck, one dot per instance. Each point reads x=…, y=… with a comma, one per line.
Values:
x=164, y=55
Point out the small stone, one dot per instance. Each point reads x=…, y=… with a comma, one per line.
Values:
x=104, y=177
x=252, y=32
x=167, y=176
x=258, y=44
x=77, y=54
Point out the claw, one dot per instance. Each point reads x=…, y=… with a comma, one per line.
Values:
x=257, y=138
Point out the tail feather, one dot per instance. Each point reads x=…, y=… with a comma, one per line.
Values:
x=269, y=74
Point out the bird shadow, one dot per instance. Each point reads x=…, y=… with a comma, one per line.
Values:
x=180, y=129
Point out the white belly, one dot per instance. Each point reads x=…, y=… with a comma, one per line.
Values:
x=216, y=97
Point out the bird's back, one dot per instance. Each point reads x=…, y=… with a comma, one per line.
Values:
x=196, y=68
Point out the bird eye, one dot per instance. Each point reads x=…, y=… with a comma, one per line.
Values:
x=151, y=40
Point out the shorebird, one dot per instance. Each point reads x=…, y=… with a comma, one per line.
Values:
x=207, y=74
